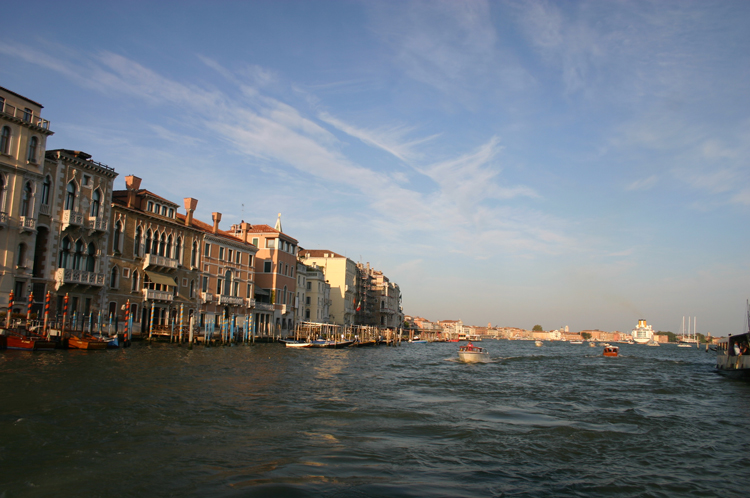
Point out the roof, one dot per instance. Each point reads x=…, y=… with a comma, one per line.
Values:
x=261, y=228
x=209, y=229
x=319, y=253
x=21, y=96
x=142, y=192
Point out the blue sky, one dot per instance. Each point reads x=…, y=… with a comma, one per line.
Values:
x=514, y=163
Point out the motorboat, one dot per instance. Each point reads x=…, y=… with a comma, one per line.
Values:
x=538, y=344
x=473, y=354
x=86, y=342
x=16, y=339
x=611, y=351
x=733, y=353
x=291, y=343
x=576, y=342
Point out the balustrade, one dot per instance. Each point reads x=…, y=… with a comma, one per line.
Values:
x=80, y=277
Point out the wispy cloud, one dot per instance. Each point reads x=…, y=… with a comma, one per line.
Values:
x=643, y=183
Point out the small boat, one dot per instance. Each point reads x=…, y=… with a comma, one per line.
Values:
x=611, y=351
x=15, y=339
x=473, y=354
x=652, y=342
x=327, y=343
x=576, y=342
x=297, y=344
x=538, y=344
x=592, y=344
x=86, y=342
x=419, y=341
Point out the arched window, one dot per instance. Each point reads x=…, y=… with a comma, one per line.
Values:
x=178, y=250
x=194, y=255
x=91, y=257
x=113, y=277
x=46, y=186
x=117, y=236
x=162, y=244
x=155, y=244
x=33, y=143
x=137, y=241
x=2, y=191
x=227, y=283
x=77, y=255
x=28, y=192
x=134, y=286
x=96, y=201
x=70, y=196
x=147, y=245
x=5, y=140
x=64, y=253
x=168, y=250
x=21, y=259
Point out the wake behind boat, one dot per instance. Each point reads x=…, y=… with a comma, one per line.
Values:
x=473, y=354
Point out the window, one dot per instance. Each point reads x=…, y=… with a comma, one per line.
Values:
x=164, y=210
x=21, y=256
x=117, y=237
x=134, y=285
x=137, y=241
x=221, y=254
x=33, y=143
x=171, y=213
x=64, y=253
x=150, y=206
x=218, y=286
x=239, y=258
x=204, y=287
x=46, y=186
x=307, y=299
x=86, y=180
x=249, y=288
x=168, y=250
x=162, y=244
x=27, y=113
x=250, y=260
x=96, y=202
x=192, y=288
x=270, y=243
x=90, y=257
x=178, y=250
x=147, y=245
x=286, y=269
x=5, y=140
x=267, y=267
x=157, y=208
x=28, y=192
x=228, y=283
x=113, y=277
x=2, y=104
x=70, y=196
x=309, y=285
x=230, y=255
x=236, y=289
x=255, y=241
x=283, y=296
x=207, y=250
x=155, y=244
x=194, y=256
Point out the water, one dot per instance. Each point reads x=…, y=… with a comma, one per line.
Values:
x=409, y=421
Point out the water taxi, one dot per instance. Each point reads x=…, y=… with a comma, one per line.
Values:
x=473, y=354
x=611, y=351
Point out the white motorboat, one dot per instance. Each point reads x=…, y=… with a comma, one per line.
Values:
x=473, y=354
x=538, y=344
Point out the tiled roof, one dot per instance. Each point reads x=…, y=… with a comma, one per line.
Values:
x=319, y=253
x=261, y=228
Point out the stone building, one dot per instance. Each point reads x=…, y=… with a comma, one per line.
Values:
x=317, y=299
x=23, y=141
x=341, y=273
x=154, y=258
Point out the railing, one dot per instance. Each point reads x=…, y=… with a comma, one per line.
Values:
x=284, y=309
x=98, y=224
x=207, y=297
x=250, y=303
x=67, y=276
x=26, y=223
x=156, y=260
x=157, y=295
x=44, y=209
x=263, y=306
x=71, y=218
x=25, y=116
x=231, y=300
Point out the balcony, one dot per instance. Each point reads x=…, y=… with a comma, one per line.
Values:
x=26, y=223
x=3, y=219
x=284, y=309
x=250, y=303
x=44, y=209
x=71, y=219
x=263, y=306
x=157, y=295
x=25, y=116
x=65, y=276
x=97, y=224
x=231, y=300
x=154, y=261
x=207, y=297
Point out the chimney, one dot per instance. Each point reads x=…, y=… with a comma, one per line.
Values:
x=217, y=218
x=132, y=183
x=244, y=227
x=190, y=205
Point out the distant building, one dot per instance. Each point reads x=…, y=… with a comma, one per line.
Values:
x=341, y=273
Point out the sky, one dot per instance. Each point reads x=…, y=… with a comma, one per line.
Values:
x=579, y=163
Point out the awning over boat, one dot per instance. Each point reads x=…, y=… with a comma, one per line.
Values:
x=160, y=278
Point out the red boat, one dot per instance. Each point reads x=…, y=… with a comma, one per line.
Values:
x=611, y=351
x=15, y=340
x=86, y=342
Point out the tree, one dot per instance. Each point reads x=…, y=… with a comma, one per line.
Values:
x=537, y=328
x=670, y=335
x=586, y=335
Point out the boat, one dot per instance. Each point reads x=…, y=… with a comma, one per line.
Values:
x=538, y=343
x=86, y=342
x=733, y=352
x=576, y=342
x=15, y=339
x=642, y=333
x=611, y=351
x=419, y=341
x=473, y=354
x=327, y=343
x=592, y=344
x=689, y=340
x=298, y=344
x=652, y=342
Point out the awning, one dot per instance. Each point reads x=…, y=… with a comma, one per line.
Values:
x=261, y=292
x=159, y=278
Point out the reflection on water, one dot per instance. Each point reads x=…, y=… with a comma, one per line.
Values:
x=406, y=421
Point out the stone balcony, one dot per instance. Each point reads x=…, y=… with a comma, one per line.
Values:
x=157, y=295
x=231, y=300
x=156, y=262
x=26, y=223
x=250, y=303
x=71, y=218
x=98, y=224
x=263, y=306
x=66, y=276
x=44, y=209
x=207, y=297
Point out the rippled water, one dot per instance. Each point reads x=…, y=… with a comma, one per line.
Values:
x=560, y=420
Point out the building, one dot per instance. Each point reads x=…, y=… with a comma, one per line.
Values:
x=317, y=301
x=378, y=300
x=23, y=141
x=154, y=259
x=341, y=273
x=275, y=276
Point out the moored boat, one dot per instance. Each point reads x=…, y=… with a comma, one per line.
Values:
x=15, y=339
x=473, y=354
x=611, y=351
x=297, y=344
x=86, y=342
x=733, y=352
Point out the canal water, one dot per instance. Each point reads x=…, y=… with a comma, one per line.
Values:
x=408, y=421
